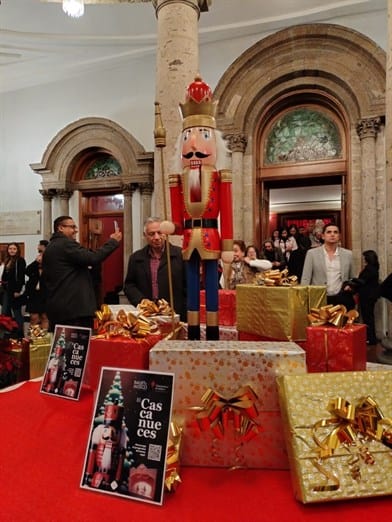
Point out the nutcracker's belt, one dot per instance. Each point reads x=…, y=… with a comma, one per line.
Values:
x=201, y=223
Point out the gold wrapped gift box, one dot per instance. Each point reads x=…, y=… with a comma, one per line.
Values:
x=338, y=429
x=220, y=382
x=277, y=312
x=39, y=353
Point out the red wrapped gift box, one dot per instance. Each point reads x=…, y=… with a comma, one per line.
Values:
x=331, y=349
x=117, y=352
x=226, y=306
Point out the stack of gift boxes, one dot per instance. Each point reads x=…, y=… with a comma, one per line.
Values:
x=261, y=401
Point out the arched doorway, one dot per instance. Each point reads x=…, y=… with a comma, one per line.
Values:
x=98, y=170
x=302, y=147
x=330, y=67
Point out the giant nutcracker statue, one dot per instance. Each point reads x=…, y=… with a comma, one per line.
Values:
x=199, y=196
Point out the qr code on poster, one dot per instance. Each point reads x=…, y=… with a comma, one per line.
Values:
x=154, y=452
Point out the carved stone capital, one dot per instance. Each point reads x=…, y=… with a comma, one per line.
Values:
x=64, y=194
x=200, y=6
x=237, y=142
x=47, y=195
x=146, y=189
x=128, y=188
x=368, y=127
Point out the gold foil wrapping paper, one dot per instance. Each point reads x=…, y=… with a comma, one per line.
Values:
x=357, y=465
x=224, y=367
x=39, y=354
x=277, y=312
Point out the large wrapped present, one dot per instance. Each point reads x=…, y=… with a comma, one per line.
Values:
x=225, y=399
x=332, y=349
x=118, y=352
x=226, y=307
x=277, y=312
x=338, y=429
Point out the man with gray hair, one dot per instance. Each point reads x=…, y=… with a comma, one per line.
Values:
x=148, y=276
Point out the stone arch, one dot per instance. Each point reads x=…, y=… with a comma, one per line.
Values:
x=329, y=64
x=79, y=138
x=78, y=142
x=325, y=57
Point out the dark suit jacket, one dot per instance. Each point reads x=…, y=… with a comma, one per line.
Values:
x=138, y=286
x=67, y=279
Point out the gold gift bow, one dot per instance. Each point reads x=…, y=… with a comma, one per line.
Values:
x=217, y=411
x=125, y=324
x=352, y=425
x=172, y=476
x=335, y=315
x=160, y=307
x=276, y=278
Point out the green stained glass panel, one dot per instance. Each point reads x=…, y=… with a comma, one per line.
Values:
x=303, y=135
x=104, y=168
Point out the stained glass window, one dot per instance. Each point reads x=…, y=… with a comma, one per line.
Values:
x=104, y=168
x=303, y=135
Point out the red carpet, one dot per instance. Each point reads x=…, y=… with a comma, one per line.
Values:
x=42, y=452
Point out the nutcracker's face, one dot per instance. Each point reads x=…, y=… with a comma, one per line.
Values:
x=198, y=147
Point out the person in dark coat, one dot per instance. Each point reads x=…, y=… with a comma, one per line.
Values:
x=147, y=275
x=368, y=288
x=66, y=275
x=13, y=280
x=35, y=290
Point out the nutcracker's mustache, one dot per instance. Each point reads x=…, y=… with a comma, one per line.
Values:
x=199, y=155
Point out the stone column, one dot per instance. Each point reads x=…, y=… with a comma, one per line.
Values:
x=177, y=64
x=47, y=196
x=64, y=196
x=128, y=189
x=237, y=144
x=388, y=176
x=367, y=130
x=145, y=204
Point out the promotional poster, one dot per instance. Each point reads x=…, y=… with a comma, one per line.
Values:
x=127, y=447
x=67, y=358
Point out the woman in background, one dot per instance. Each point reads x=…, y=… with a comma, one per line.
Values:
x=13, y=280
x=368, y=287
x=35, y=291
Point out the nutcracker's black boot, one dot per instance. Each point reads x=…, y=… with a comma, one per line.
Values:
x=193, y=332
x=212, y=333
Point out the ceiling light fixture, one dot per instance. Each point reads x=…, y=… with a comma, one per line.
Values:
x=74, y=8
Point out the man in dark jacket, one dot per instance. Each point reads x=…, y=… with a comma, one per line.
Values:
x=147, y=276
x=66, y=274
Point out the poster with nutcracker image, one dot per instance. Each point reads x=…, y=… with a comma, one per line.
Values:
x=66, y=362
x=127, y=446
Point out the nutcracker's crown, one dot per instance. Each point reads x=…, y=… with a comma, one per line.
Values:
x=198, y=109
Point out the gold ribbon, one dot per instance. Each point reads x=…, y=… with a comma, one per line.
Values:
x=352, y=425
x=125, y=324
x=172, y=474
x=335, y=315
x=149, y=308
x=217, y=411
x=276, y=278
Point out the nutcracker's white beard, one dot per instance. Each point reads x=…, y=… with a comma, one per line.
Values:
x=194, y=178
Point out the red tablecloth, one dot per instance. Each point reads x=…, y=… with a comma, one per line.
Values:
x=42, y=452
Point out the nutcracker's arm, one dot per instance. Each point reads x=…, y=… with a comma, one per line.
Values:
x=176, y=202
